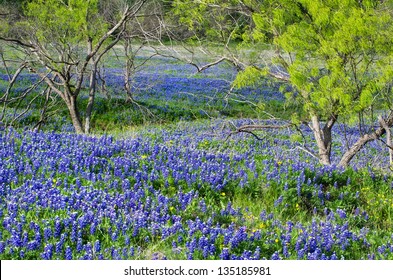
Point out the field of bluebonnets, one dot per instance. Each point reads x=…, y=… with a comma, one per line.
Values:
x=181, y=188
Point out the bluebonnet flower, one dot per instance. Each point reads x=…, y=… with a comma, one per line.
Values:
x=257, y=253
x=88, y=248
x=93, y=228
x=114, y=236
x=32, y=245
x=74, y=231
x=239, y=236
x=300, y=253
x=68, y=253
x=341, y=213
x=299, y=189
x=57, y=231
x=381, y=249
x=202, y=205
x=97, y=246
x=48, y=252
x=276, y=256
x=59, y=247
x=371, y=256
x=15, y=239
x=225, y=255
x=79, y=245
x=2, y=247
x=278, y=201
x=212, y=249
x=246, y=255
x=132, y=252
x=205, y=251
x=38, y=238
x=25, y=239
x=47, y=233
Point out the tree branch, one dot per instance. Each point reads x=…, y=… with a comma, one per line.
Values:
x=364, y=139
x=251, y=128
x=388, y=138
x=17, y=41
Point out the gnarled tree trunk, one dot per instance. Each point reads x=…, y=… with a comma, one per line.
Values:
x=363, y=140
x=323, y=138
x=74, y=114
x=90, y=102
x=92, y=87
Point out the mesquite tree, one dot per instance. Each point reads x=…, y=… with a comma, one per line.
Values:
x=336, y=55
x=66, y=41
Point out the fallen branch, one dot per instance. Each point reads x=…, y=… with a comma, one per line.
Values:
x=308, y=151
x=253, y=127
x=250, y=128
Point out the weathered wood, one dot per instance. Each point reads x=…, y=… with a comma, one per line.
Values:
x=388, y=138
x=363, y=140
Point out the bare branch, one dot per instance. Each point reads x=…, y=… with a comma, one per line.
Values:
x=308, y=151
x=200, y=69
x=5, y=64
x=18, y=42
x=255, y=127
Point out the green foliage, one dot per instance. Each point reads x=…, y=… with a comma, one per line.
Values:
x=214, y=20
x=251, y=76
x=4, y=26
x=64, y=22
x=340, y=50
x=338, y=54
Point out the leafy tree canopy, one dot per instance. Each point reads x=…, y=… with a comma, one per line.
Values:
x=69, y=21
x=336, y=55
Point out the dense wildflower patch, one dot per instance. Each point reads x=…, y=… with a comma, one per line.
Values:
x=183, y=192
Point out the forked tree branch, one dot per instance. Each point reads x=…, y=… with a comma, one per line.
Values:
x=364, y=139
x=250, y=128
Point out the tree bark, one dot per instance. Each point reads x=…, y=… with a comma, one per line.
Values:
x=92, y=86
x=128, y=70
x=323, y=138
x=388, y=138
x=363, y=140
x=90, y=102
x=74, y=113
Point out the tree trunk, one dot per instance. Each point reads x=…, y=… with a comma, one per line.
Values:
x=323, y=138
x=74, y=113
x=128, y=71
x=363, y=140
x=388, y=138
x=92, y=93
